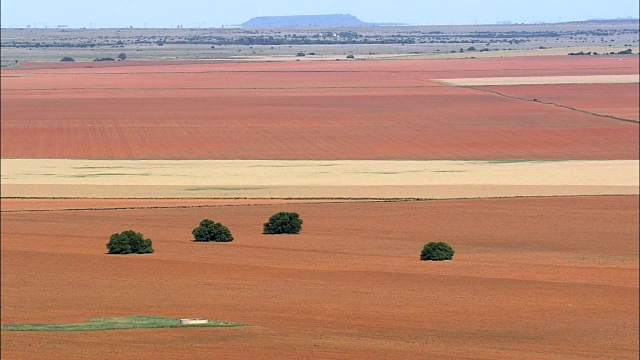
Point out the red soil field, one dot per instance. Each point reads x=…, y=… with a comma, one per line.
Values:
x=305, y=110
x=164, y=78
x=535, y=278
x=38, y=65
x=619, y=100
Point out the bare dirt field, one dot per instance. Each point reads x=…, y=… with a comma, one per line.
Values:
x=535, y=278
x=532, y=278
x=306, y=110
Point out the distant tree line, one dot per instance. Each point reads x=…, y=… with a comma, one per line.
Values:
x=623, y=52
x=327, y=38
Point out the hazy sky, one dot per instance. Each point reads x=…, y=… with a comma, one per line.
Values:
x=198, y=13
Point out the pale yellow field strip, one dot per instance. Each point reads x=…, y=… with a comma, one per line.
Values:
x=544, y=80
x=297, y=179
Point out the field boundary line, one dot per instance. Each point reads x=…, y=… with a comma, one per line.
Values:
x=340, y=201
x=549, y=103
x=346, y=201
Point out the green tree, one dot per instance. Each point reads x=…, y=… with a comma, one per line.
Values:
x=66, y=58
x=437, y=251
x=209, y=230
x=129, y=242
x=122, y=56
x=283, y=223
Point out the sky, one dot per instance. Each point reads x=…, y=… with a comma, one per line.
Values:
x=199, y=13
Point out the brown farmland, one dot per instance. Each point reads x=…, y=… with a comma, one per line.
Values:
x=532, y=278
x=305, y=110
x=535, y=278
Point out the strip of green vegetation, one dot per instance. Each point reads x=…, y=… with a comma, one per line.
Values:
x=222, y=188
x=511, y=161
x=292, y=166
x=40, y=174
x=508, y=161
x=101, y=167
x=117, y=323
x=107, y=174
x=388, y=172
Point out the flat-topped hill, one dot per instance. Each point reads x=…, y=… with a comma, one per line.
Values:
x=305, y=20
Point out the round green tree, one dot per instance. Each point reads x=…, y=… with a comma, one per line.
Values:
x=209, y=230
x=129, y=242
x=283, y=223
x=437, y=251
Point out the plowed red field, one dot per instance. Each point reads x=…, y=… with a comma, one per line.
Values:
x=532, y=278
x=620, y=100
x=305, y=110
x=201, y=77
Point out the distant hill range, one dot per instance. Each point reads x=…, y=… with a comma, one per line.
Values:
x=309, y=20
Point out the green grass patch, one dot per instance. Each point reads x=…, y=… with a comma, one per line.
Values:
x=222, y=188
x=507, y=161
x=117, y=323
x=513, y=161
x=40, y=174
x=101, y=167
x=388, y=172
x=295, y=165
x=107, y=174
